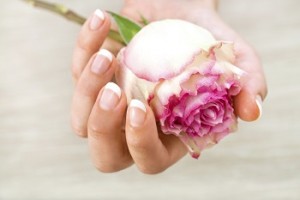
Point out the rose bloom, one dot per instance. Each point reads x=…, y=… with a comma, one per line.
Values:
x=187, y=77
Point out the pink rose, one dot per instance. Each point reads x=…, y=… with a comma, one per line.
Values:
x=187, y=77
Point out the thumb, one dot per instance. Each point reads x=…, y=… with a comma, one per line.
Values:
x=248, y=103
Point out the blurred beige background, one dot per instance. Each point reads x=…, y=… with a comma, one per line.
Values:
x=40, y=157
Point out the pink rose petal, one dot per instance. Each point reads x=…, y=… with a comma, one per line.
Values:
x=187, y=77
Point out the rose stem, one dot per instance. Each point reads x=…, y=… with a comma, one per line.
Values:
x=70, y=15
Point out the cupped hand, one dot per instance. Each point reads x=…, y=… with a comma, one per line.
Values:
x=120, y=136
x=99, y=110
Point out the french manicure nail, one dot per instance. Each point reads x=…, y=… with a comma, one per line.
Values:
x=110, y=96
x=101, y=61
x=96, y=20
x=258, y=101
x=137, y=113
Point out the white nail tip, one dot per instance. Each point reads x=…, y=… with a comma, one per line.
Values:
x=137, y=104
x=259, y=105
x=113, y=87
x=106, y=54
x=99, y=14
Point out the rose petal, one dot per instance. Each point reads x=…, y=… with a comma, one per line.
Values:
x=187, y=78
x=143, y=55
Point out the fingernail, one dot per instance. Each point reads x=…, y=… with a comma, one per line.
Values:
x=101, y=61
x=110, y=96
x=258, y=101
x=137, y=113
x=96, y=20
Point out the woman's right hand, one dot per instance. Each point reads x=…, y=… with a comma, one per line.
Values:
x=119, y=137
x=116, y=138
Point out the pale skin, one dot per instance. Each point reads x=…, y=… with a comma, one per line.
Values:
x=120, y=136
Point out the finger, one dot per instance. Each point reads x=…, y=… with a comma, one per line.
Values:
x=248, y=103
x=98, y=72
x=90, y=39
x=147, y=149
x=106, y=133
x=112, y=45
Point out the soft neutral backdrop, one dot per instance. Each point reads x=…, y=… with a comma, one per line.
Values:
x=40, y=157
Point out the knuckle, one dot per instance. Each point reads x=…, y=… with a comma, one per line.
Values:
x=88, y=88
x=113, y=165
x=104, y=168
x=98, y=126
x=75, y=72
x=78, y=126
x=150, y=170
x=77, y=65
x=95, y=130
x=87, y=44
x=80, y=131
x=137, y=144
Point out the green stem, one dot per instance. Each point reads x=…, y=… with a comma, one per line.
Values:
x=70, y=15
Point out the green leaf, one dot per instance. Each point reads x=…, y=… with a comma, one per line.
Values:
x=127, y=28
x=144, y=20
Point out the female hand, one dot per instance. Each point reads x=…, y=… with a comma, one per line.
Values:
x=118, y=139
